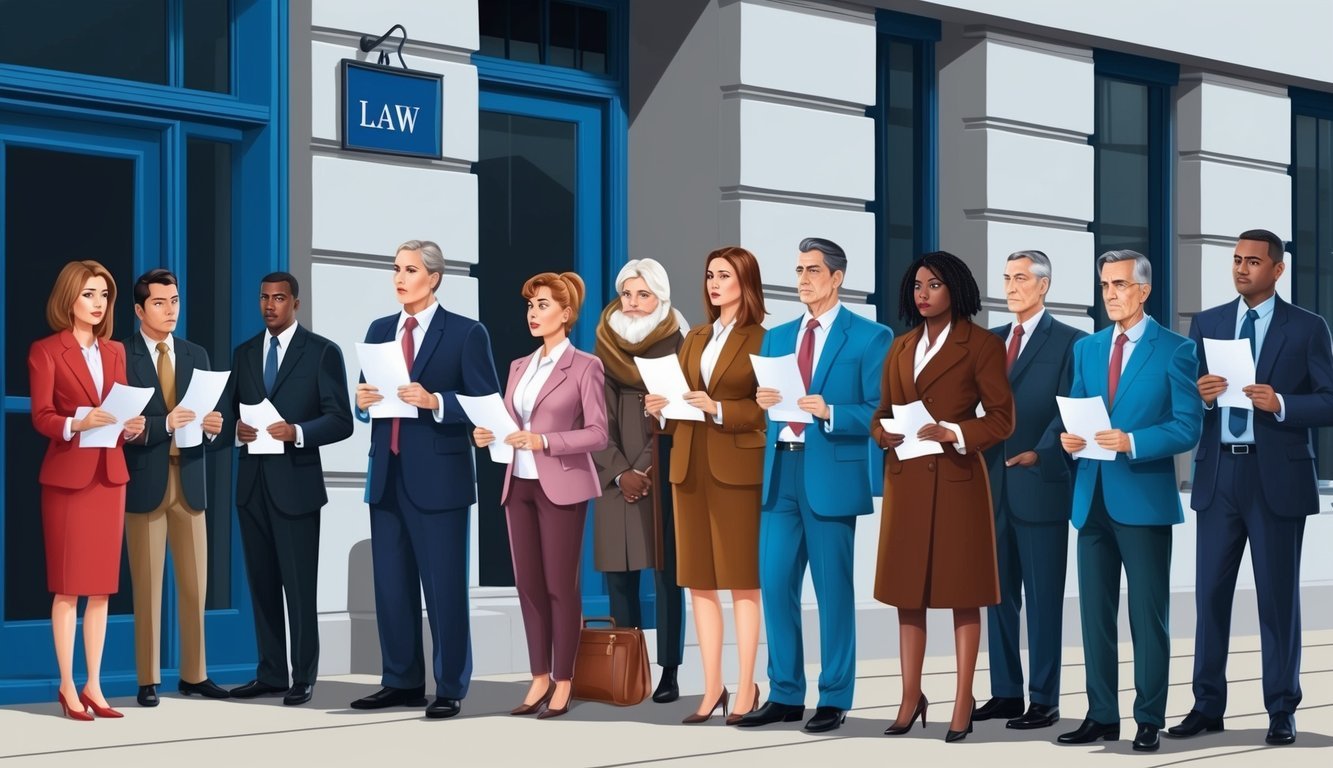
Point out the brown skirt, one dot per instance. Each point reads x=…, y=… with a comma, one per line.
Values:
x=717, y=527
x=83, y=531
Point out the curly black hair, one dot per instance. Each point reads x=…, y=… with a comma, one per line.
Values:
x=964, y=295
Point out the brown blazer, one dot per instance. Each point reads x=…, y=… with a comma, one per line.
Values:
x=740, y=436
x=937, y=537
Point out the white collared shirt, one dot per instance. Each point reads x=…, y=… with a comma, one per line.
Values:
x=284, y=341
x=712, y=351
x=924, y=353
x=1028, y=328
x=1132, y=337
x=424, y=318
x=170, y=341
x=92, y=355
x=535, y=376
x=821, y=336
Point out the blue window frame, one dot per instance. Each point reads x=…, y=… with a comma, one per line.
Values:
x=906, y=204
x=1312, y=220
x=1133, y=170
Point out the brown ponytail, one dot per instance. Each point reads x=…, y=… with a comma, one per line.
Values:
x=567, y=289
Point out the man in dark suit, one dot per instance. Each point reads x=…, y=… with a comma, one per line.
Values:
x=279, y=496
x=421, y=485
x=166, y=495
x=1254, y=479
x=1030, y=487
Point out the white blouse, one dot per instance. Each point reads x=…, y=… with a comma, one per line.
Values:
x=525, y=400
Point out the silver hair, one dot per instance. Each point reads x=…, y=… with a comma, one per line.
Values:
x=835, y=258
x=1041, y=264
x=432, y=258
x=652, y=272
x=1142, y=267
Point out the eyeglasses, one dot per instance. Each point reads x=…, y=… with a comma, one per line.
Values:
x=1119, y=286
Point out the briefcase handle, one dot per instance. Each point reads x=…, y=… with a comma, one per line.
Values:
x=600, y=620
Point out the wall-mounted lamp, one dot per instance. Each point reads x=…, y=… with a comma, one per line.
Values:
x=369, y=44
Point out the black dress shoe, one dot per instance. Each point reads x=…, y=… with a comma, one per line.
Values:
x=389, y=696
x=1194, y=724
x=1091, y=731
x=667, y=688
x=1037, y=716
x=1147, y=739
x=299, y=693
x=999, y=708
x=772, y=712
x=442, y=708
x=826, y=719
x=206, y=688
x=1281, y=729
x=256, y=688
x=147, y=696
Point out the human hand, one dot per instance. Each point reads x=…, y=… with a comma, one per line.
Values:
x=767, y=397
x=703, y=401
x=1024, y=459
x=213, y=423
x=179, y=417
x=281, y=430
x=415, y=394
x=366, y=396
x=1072, y=443
x=654, y=404
x=93, y=419
x=246, y=433
x=815, y=406
x=1263, y=397
x=1113, y=440
x=1210, y=387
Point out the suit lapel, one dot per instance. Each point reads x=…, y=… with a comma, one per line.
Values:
x=693, y=363
x=1101, y=366
x=837, y=337
x=108, y=358
x=184, y=369
x=73, y=357
x=952, y=352
x=428, y=342
x=1032, y=349
x=1273, y=339
x=255, y=352
x=291, y=358
x=1143, y=349
x=511, y=387
x=142, y=361
x=558, y=375
x=729, y=349
x=903, y=370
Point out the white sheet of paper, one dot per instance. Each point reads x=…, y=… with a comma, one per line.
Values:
x=1231, y=359
x=663, y=376
x=907, y=421
x=489, y=412
x=123, y=402
x=782, y=374
x=1085, y=417
x=260, y=416
x=386, y=370
x=201, y=397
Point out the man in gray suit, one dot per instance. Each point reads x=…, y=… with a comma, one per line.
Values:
x=1031, y=487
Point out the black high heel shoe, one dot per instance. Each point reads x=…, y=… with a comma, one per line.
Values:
x=953, y=736
x=920, y=711
x=721, y=702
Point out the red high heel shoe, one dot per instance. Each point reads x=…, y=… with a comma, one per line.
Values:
x=71, y=712
x=100, y=711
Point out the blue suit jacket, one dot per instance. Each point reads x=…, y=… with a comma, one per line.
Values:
x=1157, y=402
x=455, y=358
x=1297, y=361
x=838, y=467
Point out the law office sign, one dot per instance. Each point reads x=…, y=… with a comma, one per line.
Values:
x=393, y=111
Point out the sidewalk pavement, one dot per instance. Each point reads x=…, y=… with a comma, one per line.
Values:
x=197, y=733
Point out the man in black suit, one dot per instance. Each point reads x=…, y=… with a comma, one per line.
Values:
x=167, y=492
x=1031, y=488
x=1255, y=481
x=279, y=496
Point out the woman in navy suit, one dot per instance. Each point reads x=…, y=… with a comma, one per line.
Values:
x=83, y=489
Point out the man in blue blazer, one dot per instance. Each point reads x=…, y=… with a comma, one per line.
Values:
x=1030, y=487
x=421, y=485
x=1124, y=508
x=1254, y=479
x=817, y=479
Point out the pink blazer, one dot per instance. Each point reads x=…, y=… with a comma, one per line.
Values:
x=571, y=413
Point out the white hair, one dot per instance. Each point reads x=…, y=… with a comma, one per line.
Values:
x=652, y=272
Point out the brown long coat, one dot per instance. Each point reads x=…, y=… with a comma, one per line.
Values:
x=625, y=534
x=937, y=535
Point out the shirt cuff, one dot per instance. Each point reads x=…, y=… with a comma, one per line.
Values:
x=546, y=446
x=1281, y=407
x=1207, y=406
x=300, y=436
x=1132, y=453
x=959, y=445
x=717, y=418
x=438, y=413
x=828, y=425
x=69, y=429
x=617, y=480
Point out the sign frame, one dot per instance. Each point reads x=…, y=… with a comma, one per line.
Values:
x=344, y=116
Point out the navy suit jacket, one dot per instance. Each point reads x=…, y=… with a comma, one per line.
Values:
x=1297, y=361
x=437, y=464
x=310, y=391
x=1045, y=369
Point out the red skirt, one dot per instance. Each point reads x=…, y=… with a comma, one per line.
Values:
x=83, y=531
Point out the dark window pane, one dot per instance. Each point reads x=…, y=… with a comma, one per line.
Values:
x=206, y=293
x=901, y=138
x=207, y=45
x=25, y=557
x=592, y=40
x=492, y=23
x=125, y=39
x=525, y=30
x=563, y=35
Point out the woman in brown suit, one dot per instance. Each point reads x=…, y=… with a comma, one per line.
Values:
x=937, y=536
x=717, y=473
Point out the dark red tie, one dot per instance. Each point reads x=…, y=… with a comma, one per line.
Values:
x=1015, y=344
x=1113, y=373
x=805, y=361
x=409, y=356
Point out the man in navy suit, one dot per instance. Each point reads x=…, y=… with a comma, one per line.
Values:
x=1254, y=479
x=421, y=485
x=1030, y=486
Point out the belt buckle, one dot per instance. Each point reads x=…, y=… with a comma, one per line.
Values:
x=1238, y=449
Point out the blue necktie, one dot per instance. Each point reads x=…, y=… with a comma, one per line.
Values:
x=271, y=365
x=1240, y=417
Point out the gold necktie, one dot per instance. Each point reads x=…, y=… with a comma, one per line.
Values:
x=166, y=376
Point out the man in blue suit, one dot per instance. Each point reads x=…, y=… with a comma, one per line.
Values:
x=817, y=479
x=1124, y=508
x=1030, y=486
x=421, y=485
x=1254, y=479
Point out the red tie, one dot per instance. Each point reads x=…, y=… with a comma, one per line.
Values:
x=409, y=355
x=1113, y=374
x=805, y=361
x=1015, y=343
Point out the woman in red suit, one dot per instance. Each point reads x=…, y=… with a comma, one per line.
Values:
x=83, y=489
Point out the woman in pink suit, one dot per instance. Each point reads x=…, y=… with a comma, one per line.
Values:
x=556, y=396
x=83, y=489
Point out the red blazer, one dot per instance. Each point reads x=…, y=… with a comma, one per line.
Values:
x=60, y=382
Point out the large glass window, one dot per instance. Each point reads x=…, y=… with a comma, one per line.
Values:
x=559, y=34
x=1312, y=221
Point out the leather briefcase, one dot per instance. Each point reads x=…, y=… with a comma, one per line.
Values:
x=612, y=664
